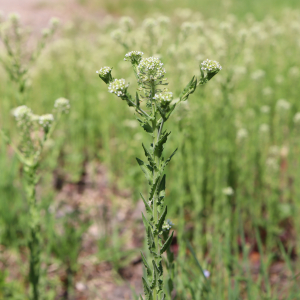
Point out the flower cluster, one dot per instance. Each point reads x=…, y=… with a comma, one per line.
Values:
x=105, y=74
x=150, y=68
x=167, y=225
x=62, y=105
x=104, y=71
x=46, y=120
x=118, y=87
x=22, y=114
x=210, y=66
x=164, y=98
x=134, y=56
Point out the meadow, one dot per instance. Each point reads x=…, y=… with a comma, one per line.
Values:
x=233, y=186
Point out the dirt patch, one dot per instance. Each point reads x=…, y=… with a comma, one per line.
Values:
x=37, y=13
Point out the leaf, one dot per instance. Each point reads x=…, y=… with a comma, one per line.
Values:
x=162, y=187
x=169, y=159
x=149, y=156
x=153, y=188
x=146, y=126
x=150, y=240
x=147, y=289
x=167, y=244
x=146, y=169
x=137, y=100
x=145, y=221
x=155, y=276
x=159, y=146
x=148, y=269
x=189, y=89
x=148, y=208
x=161, y=220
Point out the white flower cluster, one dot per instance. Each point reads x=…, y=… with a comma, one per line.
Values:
x=297, y=118
x=104, y=71
x=167, y=225
x=134, y=56
x=210, y=66
x=165, y=97
x=22, y=114
x=46, y=120
x=282, y=104
x=62, y=104
x=151, y=68
x=118, y=87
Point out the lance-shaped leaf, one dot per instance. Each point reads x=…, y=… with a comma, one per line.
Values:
x=148, y=208
x=149, y=156
x=169, y=159
x=167, y=244
x=189, y=89
x=147, y=169
x=159, y=146
x=161, y=220
x=147, y=289
x=146, y=126
x=161, y=191
x=150, y=240
x=145, y=221
x=137, y=100
x=153, y=187
x=154, y=283
x=148, y=269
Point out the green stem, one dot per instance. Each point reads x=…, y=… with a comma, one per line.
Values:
x=34, y=242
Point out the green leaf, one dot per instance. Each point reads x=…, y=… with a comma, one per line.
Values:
x=137, y=100
x=159, y=146
x=148, y=208
x=161, y=191
x=148, y=269
x=147, y=289
x=146, y=126
x=149, y=156
x=145, y=221
x=167, y=244
x=161, y=220
x=155, y=276
x=169, y=159
x=189, y=89
x=150, y=240
x=153, y=188
x=146, y=169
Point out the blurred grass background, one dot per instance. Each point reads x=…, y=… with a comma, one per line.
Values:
x=234, y=186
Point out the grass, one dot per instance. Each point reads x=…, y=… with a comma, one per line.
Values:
x=226, y=137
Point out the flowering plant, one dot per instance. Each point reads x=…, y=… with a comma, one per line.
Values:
x=154, y=106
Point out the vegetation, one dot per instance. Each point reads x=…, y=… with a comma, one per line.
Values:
x=233, y=187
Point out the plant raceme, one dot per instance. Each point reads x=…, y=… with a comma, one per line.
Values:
x=154, y=105
x=34, y=131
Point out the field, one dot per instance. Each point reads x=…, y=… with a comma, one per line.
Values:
x=233, y=187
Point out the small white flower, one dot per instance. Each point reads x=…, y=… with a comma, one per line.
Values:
x=118, y=87
x=265, y=109
x=210, y=66
x=150, y=68
x=263, y=128
x=242, y=133
x=134, y=56
x=258, y=74
x=206, y=273
x=62, y=105
x=104, y=71
x=164, y=98
x=297, y=118
x=228, y=191
x=46, y=120
x=282, y=104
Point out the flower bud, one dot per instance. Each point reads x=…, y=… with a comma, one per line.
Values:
x=211, y=66
x=46, y=121
x=134, y=56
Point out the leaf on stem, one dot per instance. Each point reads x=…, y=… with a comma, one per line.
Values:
x=149, y=156
x=148, y=208
x=148, y=269
x=159, y=146
x=167, y=244
x=146, y=126
x=147, y=169
x=189, y=89
x=161, y=220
